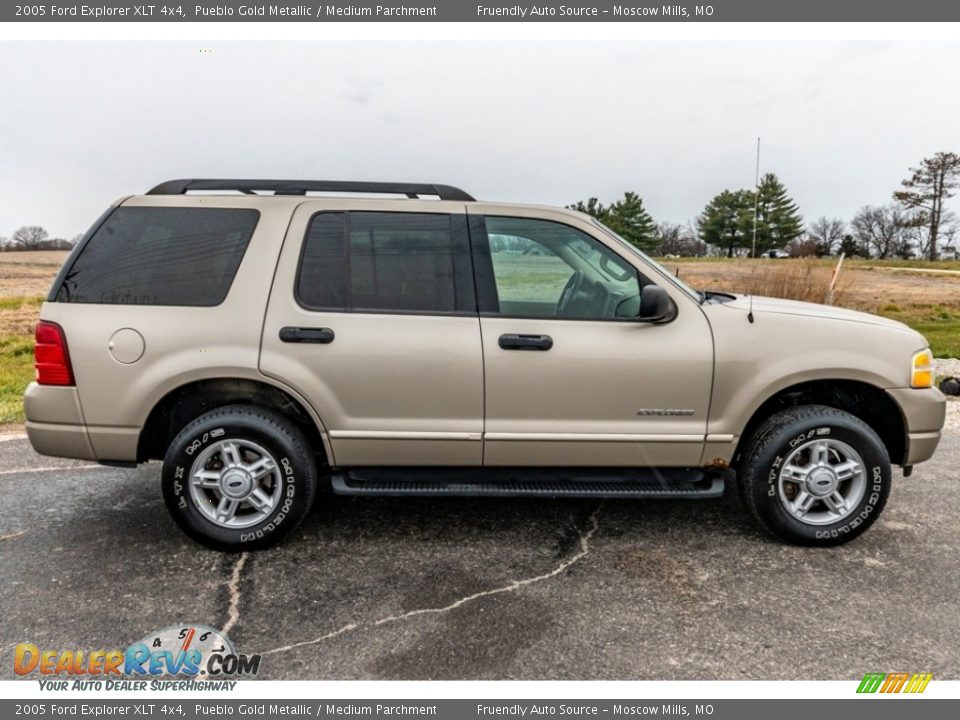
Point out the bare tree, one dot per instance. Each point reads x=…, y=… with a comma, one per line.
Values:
x=827, y=233
x=926, y=190
x=919, y=231
x=678, y=240
x=951, y=236
x=808, y=247
x=30, y=237
x=881, y=231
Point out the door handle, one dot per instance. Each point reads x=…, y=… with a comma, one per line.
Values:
x=526, y=342
x=320, y=336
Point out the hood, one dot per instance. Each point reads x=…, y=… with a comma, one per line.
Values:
x=778, y=306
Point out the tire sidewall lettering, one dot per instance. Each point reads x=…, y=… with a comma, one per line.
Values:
x=184, y=503
x=872, y=498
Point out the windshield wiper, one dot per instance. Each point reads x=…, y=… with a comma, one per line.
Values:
x=713, y=294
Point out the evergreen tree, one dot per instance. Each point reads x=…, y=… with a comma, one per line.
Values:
x=591, y=207
x=728, y=221
x=779, y=222
x=849, y=246
x=627, y=217
x=722, y=220
x=630, y=219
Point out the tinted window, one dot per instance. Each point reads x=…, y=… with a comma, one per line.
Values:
x=161, y=256
x=548, y=269
x=405, y=262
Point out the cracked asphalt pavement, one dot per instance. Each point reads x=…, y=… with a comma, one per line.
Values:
x=488, y=588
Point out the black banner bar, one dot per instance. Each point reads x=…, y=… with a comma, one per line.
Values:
x=485, y=11
x=149, y=708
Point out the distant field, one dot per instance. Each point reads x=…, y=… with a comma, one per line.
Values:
x=25, y=278
x=928, y=302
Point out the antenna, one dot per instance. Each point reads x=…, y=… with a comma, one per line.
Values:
x=756, y=206
x=756, y=201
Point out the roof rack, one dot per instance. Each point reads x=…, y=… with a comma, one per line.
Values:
x=302, y=187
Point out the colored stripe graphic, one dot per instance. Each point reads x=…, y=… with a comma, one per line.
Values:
x=894, y=682
x=918, y=682
x=871, y=682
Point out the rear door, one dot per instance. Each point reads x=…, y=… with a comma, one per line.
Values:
x=372, y=318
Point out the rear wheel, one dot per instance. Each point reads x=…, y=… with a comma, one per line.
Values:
x=239, y=478
x=815, y=475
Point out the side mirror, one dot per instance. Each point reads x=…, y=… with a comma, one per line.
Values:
x=655, y=305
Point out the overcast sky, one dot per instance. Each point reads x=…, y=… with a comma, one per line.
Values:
x=82, y=124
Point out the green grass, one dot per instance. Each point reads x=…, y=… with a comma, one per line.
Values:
x=17, y=303
x=16, y=371
x=924, y=264
x=939, y=324
x=860, y=263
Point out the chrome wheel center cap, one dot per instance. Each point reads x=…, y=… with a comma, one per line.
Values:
x=821, y=482
x=236, y=484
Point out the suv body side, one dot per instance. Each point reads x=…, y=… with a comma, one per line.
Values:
x=429, y=388
x=420, y=388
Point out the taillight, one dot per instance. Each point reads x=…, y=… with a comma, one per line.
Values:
x=50, y=355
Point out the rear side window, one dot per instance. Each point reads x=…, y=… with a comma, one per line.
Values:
x=161, y=256
x=385, y=262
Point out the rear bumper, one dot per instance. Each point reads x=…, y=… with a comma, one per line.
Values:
x=55, y=426
x=55, y=422
x=923, y=413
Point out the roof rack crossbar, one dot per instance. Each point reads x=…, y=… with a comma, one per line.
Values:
x=302, y=187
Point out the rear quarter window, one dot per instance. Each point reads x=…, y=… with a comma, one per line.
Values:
x=161, y=256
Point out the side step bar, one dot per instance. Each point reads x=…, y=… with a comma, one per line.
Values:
x=667, y=483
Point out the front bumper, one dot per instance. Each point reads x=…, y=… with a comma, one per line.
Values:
x=923, y=414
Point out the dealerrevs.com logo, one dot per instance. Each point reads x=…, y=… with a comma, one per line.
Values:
x=190, y=651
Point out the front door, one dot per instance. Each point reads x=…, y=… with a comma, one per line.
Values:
x=572, y=377
x=372, y=319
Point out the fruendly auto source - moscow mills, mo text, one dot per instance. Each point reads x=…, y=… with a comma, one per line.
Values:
x=606, y=12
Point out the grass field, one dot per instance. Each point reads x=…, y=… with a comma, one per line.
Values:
x=926, y=301
x=903, y=290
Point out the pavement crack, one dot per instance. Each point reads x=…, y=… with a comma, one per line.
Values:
x=11, y=536
x=285, y=648
x=233, y=588
x=514, y=585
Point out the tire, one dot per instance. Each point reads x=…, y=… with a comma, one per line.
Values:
x=239, y=478
x=801, y=462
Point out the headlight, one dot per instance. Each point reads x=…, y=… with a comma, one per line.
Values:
x=921, y=369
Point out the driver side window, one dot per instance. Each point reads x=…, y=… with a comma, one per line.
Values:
x=547, y=269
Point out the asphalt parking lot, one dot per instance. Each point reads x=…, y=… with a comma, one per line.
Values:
x=488, y=589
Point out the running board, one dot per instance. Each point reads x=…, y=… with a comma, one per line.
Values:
x=667, y=483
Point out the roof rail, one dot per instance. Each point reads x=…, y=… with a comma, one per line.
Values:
x=302, y=187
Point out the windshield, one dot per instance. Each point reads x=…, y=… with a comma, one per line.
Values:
x=650, y=261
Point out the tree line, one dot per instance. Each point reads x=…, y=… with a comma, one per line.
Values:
x=35, y=237
x=915, y=223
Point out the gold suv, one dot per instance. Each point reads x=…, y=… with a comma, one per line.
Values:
x=259, y=338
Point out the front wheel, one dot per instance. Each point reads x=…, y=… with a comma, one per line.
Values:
x=239, y=478
x=815, y=475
